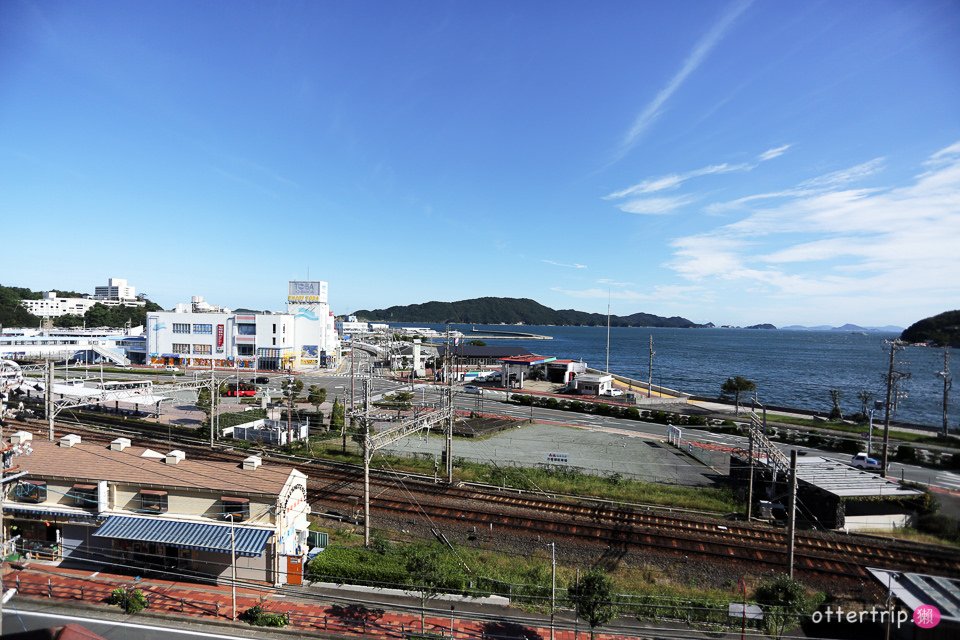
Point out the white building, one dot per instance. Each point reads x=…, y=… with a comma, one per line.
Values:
x=116, y=289
x=50, y=306
x=302, y=338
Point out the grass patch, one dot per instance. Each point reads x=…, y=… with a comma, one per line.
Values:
x=913, y=535
x=645, y=592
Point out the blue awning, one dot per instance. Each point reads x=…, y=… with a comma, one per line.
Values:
x=186, y=535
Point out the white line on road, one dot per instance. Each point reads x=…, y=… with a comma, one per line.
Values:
x=120, y=623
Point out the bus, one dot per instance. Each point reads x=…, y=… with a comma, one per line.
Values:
x=243, y=390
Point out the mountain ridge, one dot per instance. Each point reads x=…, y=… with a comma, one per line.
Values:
x=494, y=310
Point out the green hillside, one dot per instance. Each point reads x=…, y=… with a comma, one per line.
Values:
x=13, y=314
x=940, y=330
x=511, y=311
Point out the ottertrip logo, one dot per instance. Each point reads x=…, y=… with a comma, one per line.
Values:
x=926, y=616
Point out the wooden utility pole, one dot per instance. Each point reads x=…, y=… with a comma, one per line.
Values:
x=792, y=522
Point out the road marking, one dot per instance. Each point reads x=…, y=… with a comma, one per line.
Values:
x=120, y=623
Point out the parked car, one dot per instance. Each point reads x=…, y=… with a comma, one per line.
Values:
x=863, y=461
x=612, y=392
x=260, y=380
x=472, y=388
x=173, y=369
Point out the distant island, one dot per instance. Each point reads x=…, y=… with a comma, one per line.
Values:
x=512, y=311
x=942, y=330
x=846, y=327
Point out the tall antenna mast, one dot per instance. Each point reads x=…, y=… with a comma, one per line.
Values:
x=650, y=372
x=607, y=370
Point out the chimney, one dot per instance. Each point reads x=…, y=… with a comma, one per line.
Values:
x=69, y=440
x=119, y=444
x=175, y=456
x=20, y=437
x=251, y=463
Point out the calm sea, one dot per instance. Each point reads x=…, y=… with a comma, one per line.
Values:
x=791, y=368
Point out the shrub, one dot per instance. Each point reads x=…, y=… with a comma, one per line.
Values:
x=130, y=600
x=905, y=453
x=260, y=617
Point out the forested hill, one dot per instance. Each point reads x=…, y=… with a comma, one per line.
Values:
x=940, y=330
x=511, y=311
x=13, y=314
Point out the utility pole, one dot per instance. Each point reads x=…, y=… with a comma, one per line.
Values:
x=750, y=480
x=792, y=522
x=947, y=384
x=553, y=584
x=367, y=456
x=289, y=409
x=895, y=345
x=650, y=371
x=450, y=408
x=49, y=399
x=213, y=405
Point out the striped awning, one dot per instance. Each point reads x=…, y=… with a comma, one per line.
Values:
x=201, y=536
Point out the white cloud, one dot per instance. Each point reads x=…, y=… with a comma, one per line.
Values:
x=614, y=283
x=836, y=247
x=655, y=206
x=575, y=265
x=672, y=181
x=770, y=154
x=699, y=53
x=659, y=293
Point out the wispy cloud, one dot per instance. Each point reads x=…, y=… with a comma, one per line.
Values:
x=613, y=283
x=809, y=187
x=776, y=152
x=674, y=180
x=696, y=57
x=830, y=244
x=575, y=265
x=656, y=206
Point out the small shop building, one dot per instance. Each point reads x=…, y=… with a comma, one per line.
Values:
x=132, y=509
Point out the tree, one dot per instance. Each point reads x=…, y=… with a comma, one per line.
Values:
x=784, y=601
x=317, y=396
x=337, y=415
x=736, y=386
x=592, y=598
x=865, y=398
x=836, y=413
x=425, y=571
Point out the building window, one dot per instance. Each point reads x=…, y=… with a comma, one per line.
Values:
x=31, y=491
x=181, y=348
x=246, y=329
x=244, y=349
x=202, y=349
x=84, y=495
x=236, y=508
x=274, y=327
x=153, y=501
x=181, y=327
x=274, y=342
x=203, y=329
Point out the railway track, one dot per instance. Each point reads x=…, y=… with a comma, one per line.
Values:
x=586, y=521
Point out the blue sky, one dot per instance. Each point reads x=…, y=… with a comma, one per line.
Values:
x=734, y=162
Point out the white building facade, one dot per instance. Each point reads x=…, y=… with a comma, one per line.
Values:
x=302, y=338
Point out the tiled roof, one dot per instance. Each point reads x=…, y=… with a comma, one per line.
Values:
x=94, y=461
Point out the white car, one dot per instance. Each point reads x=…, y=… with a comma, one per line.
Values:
x=470, y=388
x=173, y=369
x=863, y=461
x=613, y=392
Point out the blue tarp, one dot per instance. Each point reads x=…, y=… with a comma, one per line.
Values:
x=186, y=535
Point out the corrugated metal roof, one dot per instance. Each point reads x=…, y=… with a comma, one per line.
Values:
x=844, y=481
x=915, y=589
x=249, y=541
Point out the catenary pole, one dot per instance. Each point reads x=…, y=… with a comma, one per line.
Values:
x=791, y=541
x=886, y=416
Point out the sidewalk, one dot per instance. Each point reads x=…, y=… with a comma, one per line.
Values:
x=307, y=612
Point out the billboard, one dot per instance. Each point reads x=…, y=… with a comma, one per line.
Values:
x=308, y=291
x=220, y=333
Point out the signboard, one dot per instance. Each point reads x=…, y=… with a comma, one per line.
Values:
x=220, y=332
x=307, y=291
x=746, y=611
x=558, y=458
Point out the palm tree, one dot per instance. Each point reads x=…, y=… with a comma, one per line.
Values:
x=736, y=386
